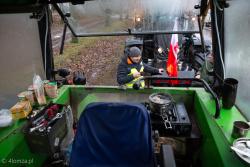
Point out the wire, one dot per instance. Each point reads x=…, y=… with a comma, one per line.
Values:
x=211, y=70
x=45, y=43
x=219, y=42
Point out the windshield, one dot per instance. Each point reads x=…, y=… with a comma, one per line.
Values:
x=119, y=25
x=131, y=16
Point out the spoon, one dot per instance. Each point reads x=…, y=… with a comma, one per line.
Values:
x=240, y=151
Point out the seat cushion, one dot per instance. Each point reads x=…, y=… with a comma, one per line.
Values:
x=112, y=135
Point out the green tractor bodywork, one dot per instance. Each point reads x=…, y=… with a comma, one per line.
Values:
x=216, y=133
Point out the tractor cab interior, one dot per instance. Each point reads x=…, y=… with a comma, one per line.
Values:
x=173, y=121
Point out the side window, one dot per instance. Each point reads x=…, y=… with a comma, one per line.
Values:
x=237, y=50
x=18, y=65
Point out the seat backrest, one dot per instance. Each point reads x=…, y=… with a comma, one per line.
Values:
x=113, y=135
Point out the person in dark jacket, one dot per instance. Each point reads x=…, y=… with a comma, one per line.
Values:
x=131, y=68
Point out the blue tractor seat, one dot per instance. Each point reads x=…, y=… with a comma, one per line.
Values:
x=113, y=135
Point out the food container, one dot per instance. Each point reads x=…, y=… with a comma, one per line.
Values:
x=240, y=129
x=38, y=86
x=41, y=99
x=45, y=82
x=21, y=96
x=21, y=109
x=5, y=118
x=27, y=95
x=31, y=88
x=51, y=89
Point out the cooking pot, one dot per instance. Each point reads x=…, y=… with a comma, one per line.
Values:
x=159, y=102
x=240, y=129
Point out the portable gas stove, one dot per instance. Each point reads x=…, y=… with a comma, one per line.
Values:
x=168, y=117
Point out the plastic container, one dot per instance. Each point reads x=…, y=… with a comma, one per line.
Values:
x=66, y=144
x=21, y=109
x=39, y=90
x=31, y=88
x=29, y=96
x=5, y=118
x=51, y=89
x=21, y=97
x=45, y=82
x=26, y=95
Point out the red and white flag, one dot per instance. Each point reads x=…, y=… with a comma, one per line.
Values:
x=171, y=64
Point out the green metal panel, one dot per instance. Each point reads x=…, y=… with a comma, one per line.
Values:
x=217, y=139
x=63, y=96
x=81, y=96
x=15, y=153
x=215, y=149
x=209, y=155
x=5, y=132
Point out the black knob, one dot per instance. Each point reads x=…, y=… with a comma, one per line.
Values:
x=197, y=6
x=63, y=72
x=226, y=5
x=79, y=78
x=137, y=85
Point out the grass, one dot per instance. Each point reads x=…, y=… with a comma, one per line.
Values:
x=72, y=51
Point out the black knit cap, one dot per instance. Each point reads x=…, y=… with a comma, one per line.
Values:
x=134, y=52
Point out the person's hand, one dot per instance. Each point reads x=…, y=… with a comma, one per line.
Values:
x=137, y=75
x=161, y=70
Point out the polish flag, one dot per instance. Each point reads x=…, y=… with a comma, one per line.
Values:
x=171, y=64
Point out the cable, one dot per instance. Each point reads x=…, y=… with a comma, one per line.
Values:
x=211, y=70
x=45, y=43
x=219, y=42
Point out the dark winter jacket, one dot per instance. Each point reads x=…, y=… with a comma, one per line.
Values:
x=124, y=69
